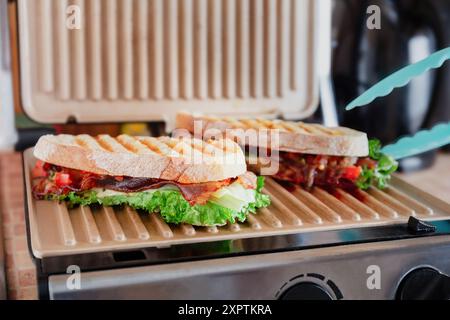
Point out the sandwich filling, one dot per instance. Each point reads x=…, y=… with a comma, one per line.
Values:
x=337, y=172
x=205, y=204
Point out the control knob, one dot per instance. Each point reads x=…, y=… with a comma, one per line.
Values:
x=424, y=284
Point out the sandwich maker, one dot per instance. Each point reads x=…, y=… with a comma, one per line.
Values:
x=117, y=60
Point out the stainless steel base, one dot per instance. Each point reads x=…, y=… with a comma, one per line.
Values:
x=354, y=271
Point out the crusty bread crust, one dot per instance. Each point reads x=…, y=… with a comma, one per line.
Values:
x=293, y=136
x=160, y=158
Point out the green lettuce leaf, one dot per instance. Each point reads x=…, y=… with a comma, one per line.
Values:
x=171, y=205
x=375, y=149
x=381, y=174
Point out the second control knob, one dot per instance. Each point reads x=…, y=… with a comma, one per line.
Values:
x=424, y=284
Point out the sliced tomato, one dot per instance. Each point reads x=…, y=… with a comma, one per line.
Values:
x=38, y=170
x=352, y=173
x=62, y=179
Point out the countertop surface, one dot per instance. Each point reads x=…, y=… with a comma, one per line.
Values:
x=20, y=271
x=435, y=180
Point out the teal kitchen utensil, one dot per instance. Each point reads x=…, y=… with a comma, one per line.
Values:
x=400, y=78
x=422, y=141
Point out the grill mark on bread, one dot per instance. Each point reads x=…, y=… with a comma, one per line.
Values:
x=247, y=123
x=202, y=147
x=141, y=146
x=158, y=146
x=318, y=130
x=168, y=150
x=306, y=128
x=111, y=144
x=234, y=123
x=258, y=124
x=133, y=145
x=253, y=124
x=211, y=118
x=104, y=144
x=276, y=124
x=290, y=127
x=329, y=131
x=129, y=148
x=80, y=142
x=168, y=143
x=149, y=144
x=174, y=146
x=182, y=146
x=265, y=123
x=88, y=142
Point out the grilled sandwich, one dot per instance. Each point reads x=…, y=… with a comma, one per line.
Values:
x=306, y=154
x=203, y=183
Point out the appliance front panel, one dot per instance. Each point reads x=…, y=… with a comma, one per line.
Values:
x=363, y=271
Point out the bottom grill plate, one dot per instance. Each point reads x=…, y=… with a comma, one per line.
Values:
x=55, y=230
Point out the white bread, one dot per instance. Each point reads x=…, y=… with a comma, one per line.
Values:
x=297, y=137
x=184, y=160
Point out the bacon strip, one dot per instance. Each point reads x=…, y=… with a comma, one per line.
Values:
x=196, y=193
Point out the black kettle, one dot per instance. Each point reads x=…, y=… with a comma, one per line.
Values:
x=408, y=31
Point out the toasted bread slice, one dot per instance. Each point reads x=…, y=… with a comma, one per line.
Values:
x=184, y=160
x=293, y=136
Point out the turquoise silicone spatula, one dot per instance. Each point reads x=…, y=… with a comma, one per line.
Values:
x=400, y=78
x=422, y=141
